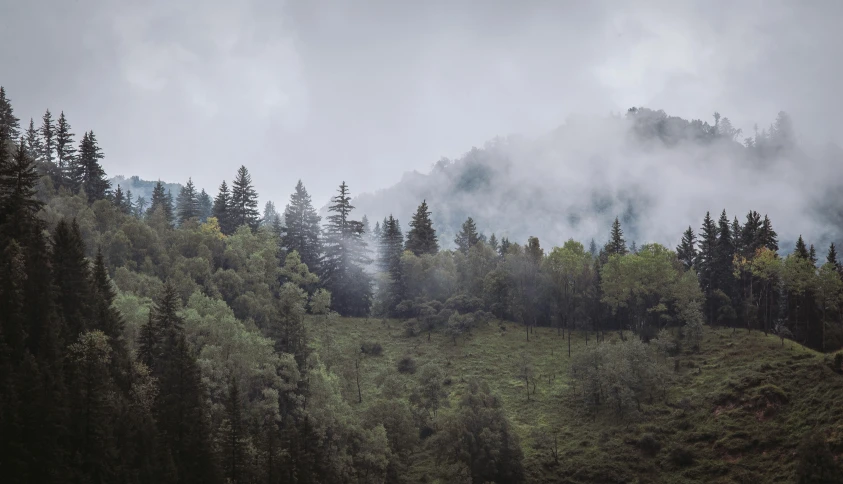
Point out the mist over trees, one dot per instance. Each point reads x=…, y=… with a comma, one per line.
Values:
x=168, y=336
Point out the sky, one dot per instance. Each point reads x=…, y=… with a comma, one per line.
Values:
x=363, y=91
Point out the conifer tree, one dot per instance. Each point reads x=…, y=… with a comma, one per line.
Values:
x=188, y=203
x=724, y=254
x=616, y=244
x=801, y=250
x=467, y=236
x=206, y=206
x=767, y=236
x=18, y=206
x=422, y=237
x=831, y=257
x=687, y=249
x=222, y=210
x=708, y=248
x=391, y=248
x=89, y=171
x=72, y=280
x=128, y=206
x=233, y=435
x=118, y=199
x=9, y=124
x=65, y=150
x=302, y=226
x=159, y=197
x=812, y=254
x=33, y=141
x=493, y=242
x=737, y=240
x=751, y=234
x=344, y=258
x=48, y=137
x=244, y=201
x=272, y=219
x=504, y=248
x=170, y=207
x=106, y=318
x=592, y=248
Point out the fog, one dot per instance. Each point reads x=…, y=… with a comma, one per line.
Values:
x=326, y=91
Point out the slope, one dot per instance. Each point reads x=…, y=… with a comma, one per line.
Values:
x=736, y=412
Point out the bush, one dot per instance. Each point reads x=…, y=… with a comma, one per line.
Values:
x=838, y=362
x=371, y=349
x=681, y=456
x=649, y=444
x=815, y=462
x=407, y=365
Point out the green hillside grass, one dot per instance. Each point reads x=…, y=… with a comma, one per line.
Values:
x=750, y=401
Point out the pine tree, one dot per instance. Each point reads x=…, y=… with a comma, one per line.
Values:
x=831, y=257
x=222, y=210
x=801, y=249
x=687, y=249
x=592, y=248
x=234, y=435
x=737, y=240
x=344, y=258
x=391, y=248
x=106, y=318
x=467, y=236
x=505, y=244
x=303, y=231
x=751, y=234
x=812, y=255
x=48, y=137
x=18, y=179
x=118, y=199
x=159, y=198
x=422, y=237
x=767, y=237
x=9, y=124
x=272, y=219
x=616, y=244
x=33, y=141
x=170, y=207
x=206, y=206
x=724, y=252
x=244, y=201
x=706, y=258
x=493, y=242
x=89, y=171
x=188, y=203
x=128, y=206
x=148, y=340
x=72, y=278
x=64, y=147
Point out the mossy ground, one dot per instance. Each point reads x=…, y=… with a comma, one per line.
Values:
x=749, y=402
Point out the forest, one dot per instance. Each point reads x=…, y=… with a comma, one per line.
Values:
x=188, y=338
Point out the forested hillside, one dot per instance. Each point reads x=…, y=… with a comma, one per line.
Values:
x=196, y=339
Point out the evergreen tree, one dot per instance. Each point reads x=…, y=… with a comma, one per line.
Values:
x=344, y=259
x=801, y=249
x=687, y=249
x=244, y=201
x=64, y=147
x=391, y=248
x=706, y=258
x=9, y=124
x=118, y=199
x=72, y=278
x=89, y=171
x=159, y=198
x=504, y=248
x=234, y=436
x=767, y=236
x=140, y=207
x=48, y=137
x=302, y=225
x=467, y=236
x=206, y=206
x=188, y=203
x=831, y=257
x=170, y=207
x=422, y=237
x=33, y=141
x=272, y=219
x=737, y=240
x=616, y=244
x=812, y=255
x=592, y=248
x=18, y=205
x=222, y=210
x=128, y=206
x=493, y=242
x=751, y=234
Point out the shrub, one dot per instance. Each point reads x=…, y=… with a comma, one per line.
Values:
x=649, y=444
x=816, y=462
x=838, y=362
x=371, y=349
x=407, y=365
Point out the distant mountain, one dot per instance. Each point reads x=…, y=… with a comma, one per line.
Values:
x=657, y=173
x=142, y=188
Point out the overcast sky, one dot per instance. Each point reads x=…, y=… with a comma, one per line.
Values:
x=363, y=91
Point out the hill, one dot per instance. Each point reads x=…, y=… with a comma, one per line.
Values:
x=736, y=411
x=656, y=172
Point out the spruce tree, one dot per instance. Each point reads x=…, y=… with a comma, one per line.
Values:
x=831, y=257
x=106, y=318
x=505, y=244
x=244, y=201
x=303, y=231
x=188, y=203
x=467, y=236
x=616, y=244
x=687, y=249
x=344, y=258
x=801, y=249
x=234, y=436
x=89, y=171
x=724, y=253
x=272, y=219
x=170, y=207
x=706, y=257
x=9, y=124
x=18, y=205
x=159, y=198
x=71, y=275
x=206, y=206
x=767, y=236
x=751, y=234
x=118, y=199
x=65, y=150
x=48, y=137
x=493, y=242
x=128, y=206
x=422, y=237
x=812, y=254
x=33, y=141
x=222, y=209
x=391, y=248
x=737, y=240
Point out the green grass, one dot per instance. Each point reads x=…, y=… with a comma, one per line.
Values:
x=751, y=402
